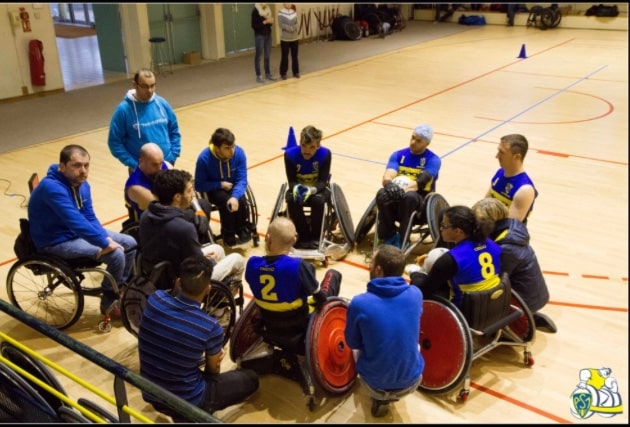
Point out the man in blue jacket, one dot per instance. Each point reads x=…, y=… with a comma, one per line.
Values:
x=221, y=173
x=63, y=222
x=383, y=328
x=143, y=116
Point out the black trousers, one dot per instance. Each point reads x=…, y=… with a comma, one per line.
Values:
x=285, y=48
x=397, y=211
x=308, y=231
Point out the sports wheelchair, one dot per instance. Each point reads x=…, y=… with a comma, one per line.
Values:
x=544, y=17
x=423, y=223
x=333, y=243
x=451, y=339
x=52, y=289
x=252, y=213
x=319, y=358
x=219, y=303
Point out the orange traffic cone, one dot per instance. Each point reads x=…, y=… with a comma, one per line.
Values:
x=522, y=55
x=291, y=141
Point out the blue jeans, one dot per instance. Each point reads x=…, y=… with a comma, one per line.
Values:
x=263, y=45
x=119, y=263
x=391, y=395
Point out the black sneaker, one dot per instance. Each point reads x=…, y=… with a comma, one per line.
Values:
x=380, y=408
x=544, y=323
x=244, y=236
x=229, y=240
x=302, y=244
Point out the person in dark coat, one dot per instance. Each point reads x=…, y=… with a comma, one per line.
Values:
x=518, y=258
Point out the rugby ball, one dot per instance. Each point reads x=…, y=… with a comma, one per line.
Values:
x=402, y=181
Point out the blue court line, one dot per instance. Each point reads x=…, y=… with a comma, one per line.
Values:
x=580, y=80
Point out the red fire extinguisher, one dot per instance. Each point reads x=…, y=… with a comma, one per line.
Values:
x=36, y=59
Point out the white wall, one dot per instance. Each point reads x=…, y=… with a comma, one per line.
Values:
x=14, y=63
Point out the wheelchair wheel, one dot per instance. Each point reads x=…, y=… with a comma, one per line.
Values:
x=446, y=346
x=435, y=203
x=220, y=304
x=550, y=18
x=366, y=223
x=47, y=290
x=328, y=356
x=341, y=214
x=245, y=333
x=524, y=327
x=36, y=368
x=280, y=208
x=252, y=210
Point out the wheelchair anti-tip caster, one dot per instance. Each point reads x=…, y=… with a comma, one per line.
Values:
x=105, y=325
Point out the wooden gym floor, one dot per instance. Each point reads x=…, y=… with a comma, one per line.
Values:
x=568, y=97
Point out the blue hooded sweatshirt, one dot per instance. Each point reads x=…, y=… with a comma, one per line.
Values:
x=210, y=171
x=57, y=212
x=135, y=123
x=384, y=325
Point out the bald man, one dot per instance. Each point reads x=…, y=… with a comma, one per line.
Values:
x=282, y=285
x=138, y=186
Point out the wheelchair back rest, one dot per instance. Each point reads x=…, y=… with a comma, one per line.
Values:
x=161, y=274
x=487, y=310
x=33, y=181
x=24, y=246
x=135, y=299
x=286, y=329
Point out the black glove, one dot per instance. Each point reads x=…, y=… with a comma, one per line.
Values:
x=389, y=194
x=422, y=180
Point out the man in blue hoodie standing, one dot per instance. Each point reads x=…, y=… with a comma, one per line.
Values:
x=143, y=116
x=383, y=328
x=63, y=222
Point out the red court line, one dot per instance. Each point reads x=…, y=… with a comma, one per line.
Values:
x=588, y=306
x=520, y=404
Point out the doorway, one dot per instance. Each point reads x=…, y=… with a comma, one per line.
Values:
x=79, y=48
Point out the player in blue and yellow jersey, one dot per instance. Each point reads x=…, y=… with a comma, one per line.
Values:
x=472, y=265
x=308, y=172
x=283, y=286
x=511, y=184
x=421, y=166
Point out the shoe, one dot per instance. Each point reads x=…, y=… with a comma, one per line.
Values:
x=110, y=306
x=297, y=76
x=380, y=408
x=544, y=323
x=302, y=244
x=229, y=240
x=395, y=240
x=259, y=79
x=244, y=236
x=270, y=78
x=283, y=76
x=413, y=268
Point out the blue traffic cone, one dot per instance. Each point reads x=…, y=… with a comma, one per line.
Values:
x=522, y=55
x=291, y=141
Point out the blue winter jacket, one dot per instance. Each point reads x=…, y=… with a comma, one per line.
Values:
x=384, y=325
x=58, y=213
